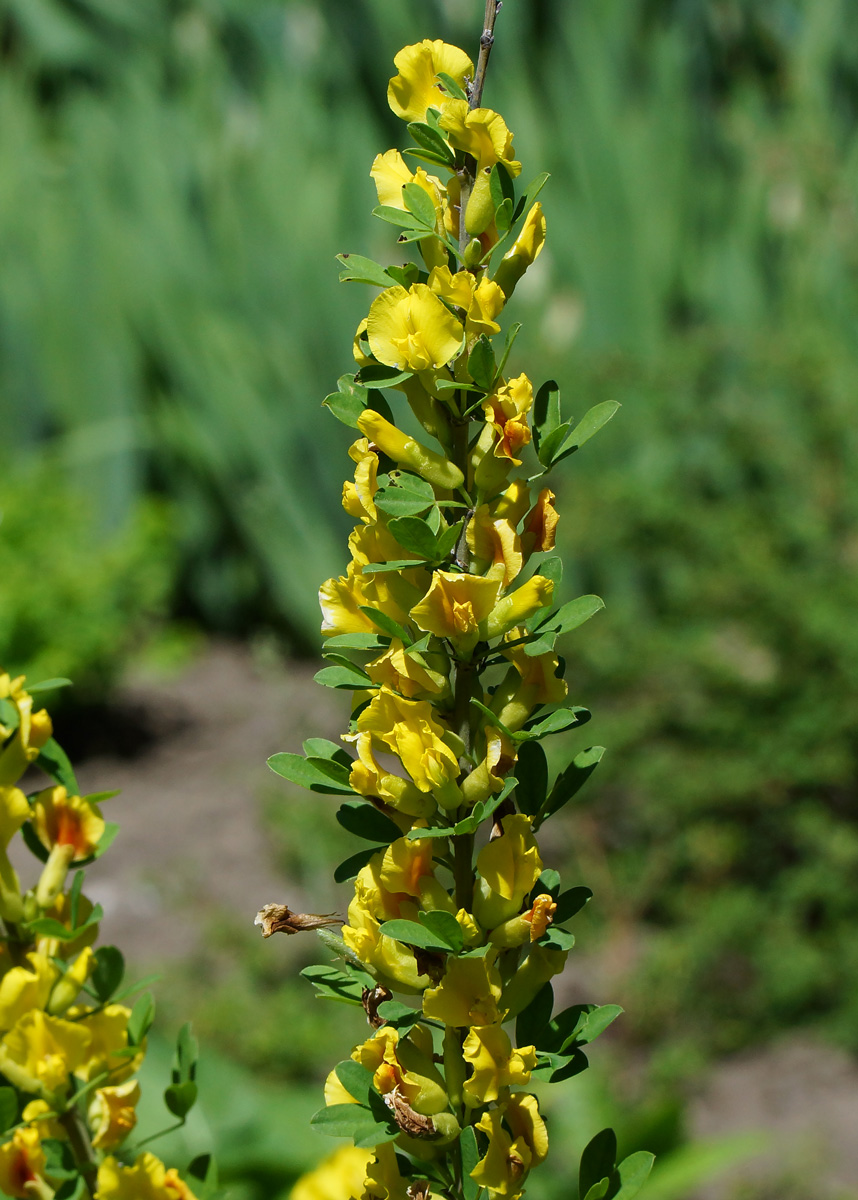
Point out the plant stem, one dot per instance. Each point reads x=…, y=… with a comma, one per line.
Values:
x=81, y=1148
x=487, y=40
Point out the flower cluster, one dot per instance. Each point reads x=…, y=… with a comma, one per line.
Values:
x=444, y=631
x=69, y=1049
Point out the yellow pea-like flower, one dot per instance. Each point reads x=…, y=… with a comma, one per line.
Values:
x=63, y=820
x=509, y=866
x=456, y=606
x=525, y=250
x=33, y=731
x=494, y=1062
x=112, y=1114
x=506, y=412
x=108, y=1033
x=533, y=681
x=148, y=1179
x=519, y=605
x=26, y=988
x=467, y=995
x=342, y=1173
x=40, y=1052
x=359, y=497
x=541, y=524
x=507, y=1161
x=493, y=542
x=22, y=1166
x=412, y=330
x=409, y=729
x=490, y=774
x=416, y=88
x=409, y=674
x=394, y=964
x=481, y=301
x=368, y=778
x=433, y=467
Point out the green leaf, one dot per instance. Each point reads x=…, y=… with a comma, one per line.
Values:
x=365, y=821
x=426, y=156
x=357, y=641
x=186, y=1056
x=54, y=761
x=8, y=1108
x=51, y=928
x=402, y=217
x=48, y=685
x=531, y=771
x=322, y=748
x=445, y=927
x=598, y=1190
x=531, y=1021
x=406, y=496
x=570, y=781
x=400, y=1016
x=354, y=1121
x=398, y=564
x=448, y=539
x=470, y=1157
x=357, y=1080
x=512, y=334
x=203, y=1168
x=481, y=363
x=413, y=533
x=357, y=269
x=556, y=722
x=107, y=973
x=557, y=939
x=379, y=376
x=451, y=87
x=350, y=866
x=589, y=425
x=414, y=934
x=311, y=775
x=546, y=411
x=503, y=216
x=570, y=902
x=428, y=138
x=386, y=624
x=571, y=615
x=140, y=1021
x=419, y=203
x=530, y=195
x=180, y=1098
x=633, y=1173
x=407, y=274
x=597, y=1161
x=74, y=897
x=333, y=984
x=549, y=445
x=348, y=677
x=597, y=1021
x=348, y=402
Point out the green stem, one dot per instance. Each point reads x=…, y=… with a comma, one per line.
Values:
x=487, y=40
x=81, y=1148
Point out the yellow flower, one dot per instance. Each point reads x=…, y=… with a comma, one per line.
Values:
x=494, y=541
x=508, y=866
x=108, y=1032
x=541, y=523
x=416, y=89
x=390, y=175
x=25, y=988
x=510, y=1157
x=14, y=811
x=483, y=134
x=33, y=731
x=525, y=250
x=392, y=963
x=359, y=497
x=63, y=820
x=112, y=1114
x=341, y=600
x=370, y=779
x=495, y=1064
x=533, y=681
x=407, y=868
x=22, y=1166
x=409, y=729
x=513, y=503
x=383, y=1180
x=540, y=915
x=481, y=301
x=489, y=775
x=412, y=330
x=148, y=1179
x=340, y=1174
x=506, y=411
x=467, y=995
x=540, y=965
x=504, y=1169
x=519, y=605
x=455, y=606
x=39, y=1052
x=401, y=1065
x=408, y=674
x=36, y=1112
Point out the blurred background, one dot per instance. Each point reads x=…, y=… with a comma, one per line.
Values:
x=176, y=177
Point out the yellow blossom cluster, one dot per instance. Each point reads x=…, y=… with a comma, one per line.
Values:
x=442, y=629
x=69, y=1049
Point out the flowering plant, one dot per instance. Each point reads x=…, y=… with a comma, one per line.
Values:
x=443, y=630
x=69, y=1047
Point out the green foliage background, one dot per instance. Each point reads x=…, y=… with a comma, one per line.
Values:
x=175, y=179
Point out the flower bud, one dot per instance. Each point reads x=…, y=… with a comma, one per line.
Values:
x=432, y=467
x=480, y=211
x=473, y=253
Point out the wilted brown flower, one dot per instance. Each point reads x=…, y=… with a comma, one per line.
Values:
x=278, y=918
